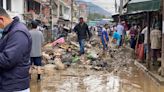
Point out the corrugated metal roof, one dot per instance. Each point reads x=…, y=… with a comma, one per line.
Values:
x=137, y=1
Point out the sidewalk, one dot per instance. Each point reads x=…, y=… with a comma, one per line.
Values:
x=152, y=74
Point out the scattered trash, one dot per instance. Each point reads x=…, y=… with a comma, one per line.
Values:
x=75, y=59
x=65, y=53
x=58, y=41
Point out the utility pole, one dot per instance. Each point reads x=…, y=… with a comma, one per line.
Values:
x=115, y=6
x=79, y=10
x=120, y=10
x=52, y=22
x=162, y=60
x=71, y=14
x=148, y=58
x=58, y=11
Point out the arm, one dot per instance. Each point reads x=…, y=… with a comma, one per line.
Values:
x=75, y=29
x=42, y=37
x=143, y=31
x=150, y=36
x=88, y=31
x=13, y=52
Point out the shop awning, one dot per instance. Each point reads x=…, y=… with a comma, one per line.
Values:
x=135, y=6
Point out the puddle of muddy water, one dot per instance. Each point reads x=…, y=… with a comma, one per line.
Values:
x=95, y=82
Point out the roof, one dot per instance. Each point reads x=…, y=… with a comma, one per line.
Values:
x=137, y=1
x=143, y=6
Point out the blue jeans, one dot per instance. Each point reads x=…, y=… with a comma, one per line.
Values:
x=118, y=42
x=145, y=50
x=81, y=43
x=105, y=46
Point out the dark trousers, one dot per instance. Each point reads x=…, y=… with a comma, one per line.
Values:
x=36, y=61
x=132, y=43
x=121, y=42
x=155, y=53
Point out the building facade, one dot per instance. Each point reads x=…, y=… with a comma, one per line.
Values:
x=50, y=12
x=14, y=7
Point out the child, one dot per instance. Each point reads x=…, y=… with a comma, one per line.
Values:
x=116, y=38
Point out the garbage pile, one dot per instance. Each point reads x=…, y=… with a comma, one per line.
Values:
x=63, y=53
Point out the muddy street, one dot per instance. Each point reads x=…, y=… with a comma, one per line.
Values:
x=121, y=75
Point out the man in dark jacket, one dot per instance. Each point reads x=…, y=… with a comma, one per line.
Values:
x=15, y=47
x=83, y=33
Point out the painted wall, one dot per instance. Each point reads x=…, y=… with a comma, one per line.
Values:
x=17, y=6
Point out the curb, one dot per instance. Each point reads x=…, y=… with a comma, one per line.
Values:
x=155, y=77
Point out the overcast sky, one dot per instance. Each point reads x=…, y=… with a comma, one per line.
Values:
x=108, y=5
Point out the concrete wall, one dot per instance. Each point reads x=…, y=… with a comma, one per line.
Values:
x=17, y=6
x=4, y=4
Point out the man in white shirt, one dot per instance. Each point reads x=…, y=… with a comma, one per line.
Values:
x=144, y=32
x=120, y=30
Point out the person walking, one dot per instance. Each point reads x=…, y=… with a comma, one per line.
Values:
x=144, y=32
x=155, y=38
x=55, y=32
x=120, y=31
x=37, y=42
x=15, y=47
x=83, y=33
x=99, y=34
x=133, y=36
x=105, y=37
x=116, y=39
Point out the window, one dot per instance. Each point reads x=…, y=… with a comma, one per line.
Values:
x=37, y=7
x=1, y=3
x=33, y=5
x=8, y=5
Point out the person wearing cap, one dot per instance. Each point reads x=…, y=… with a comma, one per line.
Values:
x=83, y=33
x=37, y=41
x=155, y=38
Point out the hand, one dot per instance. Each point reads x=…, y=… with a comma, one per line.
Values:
x=87, y=39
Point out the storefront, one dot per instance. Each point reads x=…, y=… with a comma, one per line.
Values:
x=143, y=12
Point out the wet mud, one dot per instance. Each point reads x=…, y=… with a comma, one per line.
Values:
x=121, y=75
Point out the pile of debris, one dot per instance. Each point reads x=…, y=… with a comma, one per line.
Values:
x=63, y=53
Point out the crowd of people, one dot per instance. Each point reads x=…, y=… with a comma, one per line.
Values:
x=133, y=35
